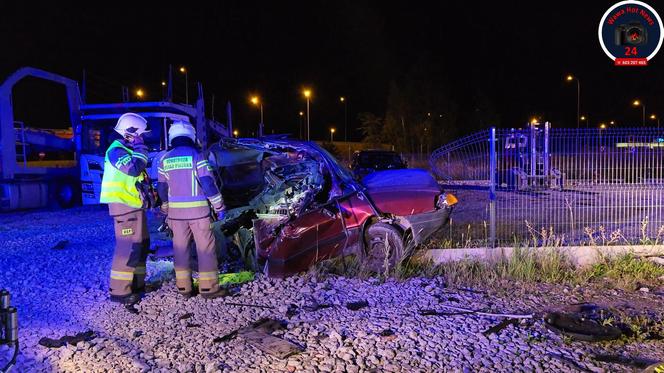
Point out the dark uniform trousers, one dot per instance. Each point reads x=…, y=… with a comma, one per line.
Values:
x=132, y=241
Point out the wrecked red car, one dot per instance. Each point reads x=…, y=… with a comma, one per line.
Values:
x=290, y=204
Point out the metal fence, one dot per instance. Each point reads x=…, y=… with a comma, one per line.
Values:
x=554, y=186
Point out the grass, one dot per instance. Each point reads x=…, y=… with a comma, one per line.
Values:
x=625, y=271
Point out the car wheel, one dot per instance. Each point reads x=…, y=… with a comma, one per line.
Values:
x=384, y=247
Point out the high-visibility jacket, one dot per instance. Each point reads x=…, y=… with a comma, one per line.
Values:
x=186, y=184
x=123, y=168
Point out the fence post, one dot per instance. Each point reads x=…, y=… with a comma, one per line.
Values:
x=493, y=167
x=547, y=166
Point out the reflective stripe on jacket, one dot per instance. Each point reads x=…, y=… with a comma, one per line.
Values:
x=186, y=184
x=123, y=167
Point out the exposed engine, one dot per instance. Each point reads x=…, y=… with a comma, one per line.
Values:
x=264, y=188
x=292, y=183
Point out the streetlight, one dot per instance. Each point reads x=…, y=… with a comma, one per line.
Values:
x=186, y=83
x=140, y=93
x=236, y=133
x=569, y=78
x=612, y=122
x=602, y=126
x=345, y=102
x=307, y=95
x=655, y=117
x=534, y=120
x=257, y=101
x=584, y=118
x=637, y=103
x=332, y=130
x=301, y=117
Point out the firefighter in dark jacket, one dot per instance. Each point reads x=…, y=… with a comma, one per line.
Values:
x=185, y=186
x=124, y=170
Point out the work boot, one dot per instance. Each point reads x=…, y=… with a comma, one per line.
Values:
x=129, y=299
x=217, y=294
x=148, y=288
x=190, y=294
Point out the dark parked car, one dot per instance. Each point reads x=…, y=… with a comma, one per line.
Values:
x=365, y=162
x=292, y=204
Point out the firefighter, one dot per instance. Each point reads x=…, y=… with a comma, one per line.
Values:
x=124, y=171
x=185, y=186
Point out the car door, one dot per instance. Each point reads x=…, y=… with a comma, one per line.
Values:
x=317, y=234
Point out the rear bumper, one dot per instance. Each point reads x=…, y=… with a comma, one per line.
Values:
x=426, y=224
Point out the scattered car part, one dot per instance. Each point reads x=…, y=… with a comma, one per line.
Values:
x=634, y=362
x=354, y=306
x=68, y=339
x=61, y=245
x=580, y=328
x=500, y=326
x=258, y=334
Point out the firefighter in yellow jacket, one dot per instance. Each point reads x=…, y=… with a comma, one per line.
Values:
x=124, y=169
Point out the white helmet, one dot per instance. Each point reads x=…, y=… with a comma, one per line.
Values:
x=131, y=124
x=181, y=128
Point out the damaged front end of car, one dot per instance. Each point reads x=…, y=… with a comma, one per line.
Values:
x=290, y=204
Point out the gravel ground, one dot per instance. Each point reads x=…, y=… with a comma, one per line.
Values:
x=64, y=292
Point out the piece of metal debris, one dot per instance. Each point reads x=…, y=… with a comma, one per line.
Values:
x=258, y=335
x=439, y=313
x=186, y=316
x=61, y=245
x=386, y=332
x=634, y=362
x=354, y=306
x=68, y=339
x=500, y=326
x=580, y=328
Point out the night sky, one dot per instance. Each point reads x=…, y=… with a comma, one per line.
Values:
x=517, y=53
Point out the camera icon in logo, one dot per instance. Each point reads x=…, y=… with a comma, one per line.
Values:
x=631, y=34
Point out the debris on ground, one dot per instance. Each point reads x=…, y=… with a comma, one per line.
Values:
x=186, y=316
x=580, y=328
x=500, y=326
x=634, y=362
x=68, y=339
x=259, y=335
x=61, y=245
x=354, y=306
x=462, y=311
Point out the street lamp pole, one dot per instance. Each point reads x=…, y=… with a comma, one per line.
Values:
x=258, y=102
x=643, y=111
x=332, y=134
x=301, y=114
x=578, y=97
x=307, y=95
x=185, y=71
x=345, y=102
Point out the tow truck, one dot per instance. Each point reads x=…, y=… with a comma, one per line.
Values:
x=28, y=179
